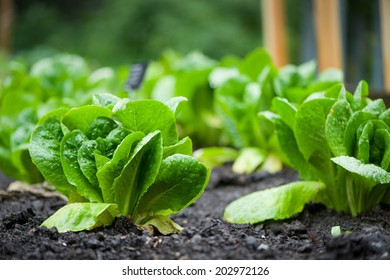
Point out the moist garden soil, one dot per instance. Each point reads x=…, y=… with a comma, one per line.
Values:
x=205, y=236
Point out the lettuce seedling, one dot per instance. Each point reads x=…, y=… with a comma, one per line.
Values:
x=339, y=143
x=117, y=158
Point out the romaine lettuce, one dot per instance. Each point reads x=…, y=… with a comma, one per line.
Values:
x=122, y=159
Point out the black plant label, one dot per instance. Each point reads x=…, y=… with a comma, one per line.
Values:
x=137, y=74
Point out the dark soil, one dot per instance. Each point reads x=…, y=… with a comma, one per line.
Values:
x=205, y=236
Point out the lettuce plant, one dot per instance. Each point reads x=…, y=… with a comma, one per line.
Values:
x=243, y=90
x=117, y=158
x=340, y=145
x=27, y=93
x=18, y=116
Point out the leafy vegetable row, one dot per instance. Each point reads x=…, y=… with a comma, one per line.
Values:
x=248, y=88
x=225, y=98
x=340, y=145
x=29, y=92
x=117, y=158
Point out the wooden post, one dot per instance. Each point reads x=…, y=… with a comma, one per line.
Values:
x=274, y=31
x=385, y=39
x=328, y=33
x=6, y=18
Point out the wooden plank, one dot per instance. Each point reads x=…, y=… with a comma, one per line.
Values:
x=274, y=31
x=328, y=34
x=6, y=18
x=385, y=39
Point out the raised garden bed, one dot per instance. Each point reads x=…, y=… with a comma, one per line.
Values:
x=205, y=236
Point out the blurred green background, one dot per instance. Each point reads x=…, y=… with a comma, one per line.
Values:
x=126, y=31
x=123, y=31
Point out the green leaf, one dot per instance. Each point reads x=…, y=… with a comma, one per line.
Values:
x=310, y=127
x=248, y=160
x=26, y=169
x=108, y=172
x=363, y=145
x=310, y=135
x=114, y=138
x=87, y=160
x=252, y=95
x=163, y=224
x=82, y=117
x=385, y=163
x=216, y=156
x=181, y=180
x=267, y=92
x=273, y=163
x=386, y=197
x=82, y=216
x=357, y=119
x=376, y=107
x=229, y=106
x=254, y=63
x=100, y=161
x=307, y=71
x=7, y=168
x=331, y=75
x=100, y=127
x=335, y=231
x=380, y=148
x=272, y=204
x=148, y=116
x=338, y=92
x=385, y=116
x=139, y=172
x=237, y=102
x=289, y=146
x=343, y=94
x=21, y=136
x=184, y=147
x=359, y=97
x=106, y=100
x=369, y=171
x=164, y=89
x=285, y=110
x=44, y=149
x=335, y=126
x=70, y=145
x=175, y=102
x=219, y=75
